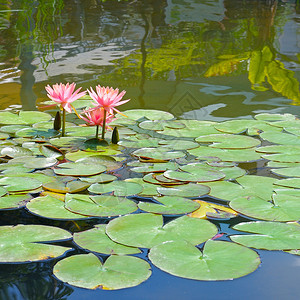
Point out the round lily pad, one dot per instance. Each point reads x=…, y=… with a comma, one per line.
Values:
x=289, y=182
x=157, y=154
x=51, y=208
x=194, y=174
x=118, y=187
x=287, y=172
x=24, y=243
x=176, y=144
x=14, y=201
x=19, y=184
x=169, y=205
x=99, y=206
x=281, y=138
x=268, y=235
x=96, y=240
x=79, y=169
x=149, y=189
x=60, y=186
x=100, y=178
x=235, y=155
x=187, y=190
x=156, y=167
x=282, y=208
x=87, y=271
x=15, y=151
x=217, y=261
x=150, y=114
x=146, y=230
x=135, y=142
x=228, y=141
x=274, y=117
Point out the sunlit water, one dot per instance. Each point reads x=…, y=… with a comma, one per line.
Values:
x=203, y=59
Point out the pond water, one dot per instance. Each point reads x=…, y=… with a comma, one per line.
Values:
x=198, y=59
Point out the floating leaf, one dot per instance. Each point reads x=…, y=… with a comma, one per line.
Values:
x=108, y=161
x=149, y=190
x=290, y=182
x=24, y=243
x=176, y=144
x=96, y=240
x=99, y=206
x=146, y=230
x=288, y=172
x=14, y=201
x=51, y=151
x=15, y=151
x=187, y=190
x=150, y=114
x=274, y=117
x=118, y=272
x=79, y=169
x=281, y=138
x=51, y=208
x=101, y=178
x=268, y=235
x=59, y=186
x=119, y=188
x=169, y=206
x=208, y=209
x=19, y=184
x=158, y=154
x=24, y=117
x=157, y=167
x=228, y=141
x=218, y=261
x=236, y=155
x=253, y=127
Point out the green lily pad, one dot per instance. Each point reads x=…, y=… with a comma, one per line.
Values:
x=111, y=163
x=51, y=208
x=19, y=184
x=156, y=167
x=51, y=151
x=99, y=206
x=224, y=190
x=192, y=129
x=283, y=208
x=149, y=189
x=78, y=169
x=187, y=190
x=268, y=235
x=195, y=173
x=11, y=129
x=14, y=168
x=3, y=191
x=101, y=178
x=281, y=138
x=169, y=205
x=289, y=182
x=37, y=133
x=146, y=230
x=274, y=117
x=118, y=187
x=14, y=201
x=157, y=153
x=24, y=117
x=176, y=144
x=150, y=114
x=67, y=142
x=235, y=155
x=87, y=271
x=96, y=240
x=287, y=172
x=15, y=151
x=24, y=243
x=228, y=141
x=40, y=162
x=253, y=127
x=135, y=142
x=59, y=186
x=218, y=261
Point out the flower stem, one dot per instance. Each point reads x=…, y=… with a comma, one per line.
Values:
x=97, y=131
x=103, y=125
x=63, y=123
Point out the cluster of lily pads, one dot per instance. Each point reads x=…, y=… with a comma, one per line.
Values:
x=190, y=171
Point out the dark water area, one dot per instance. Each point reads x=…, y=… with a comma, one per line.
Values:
x=198, y=59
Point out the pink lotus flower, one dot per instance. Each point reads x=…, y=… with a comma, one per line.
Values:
x=64, y=95
x=108, y=98
x=96, y=116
